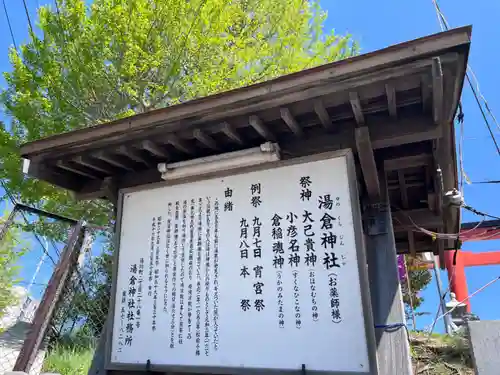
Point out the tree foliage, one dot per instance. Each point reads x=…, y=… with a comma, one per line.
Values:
x=90, y=64
x=10, y=251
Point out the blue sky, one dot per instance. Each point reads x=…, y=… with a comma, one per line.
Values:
x=378, y=24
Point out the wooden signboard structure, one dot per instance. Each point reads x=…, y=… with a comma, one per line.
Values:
x=200, y=263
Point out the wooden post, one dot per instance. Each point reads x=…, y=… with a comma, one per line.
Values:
x=45, y=310
x=393, y=348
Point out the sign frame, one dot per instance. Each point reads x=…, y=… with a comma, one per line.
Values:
x=361, y=258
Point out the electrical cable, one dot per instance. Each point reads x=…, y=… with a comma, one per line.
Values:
x=445, y=26
x=28, y=16
x=473, y=210
x=9, y=24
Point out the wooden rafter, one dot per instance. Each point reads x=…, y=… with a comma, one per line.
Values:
x=180, y=144
x=229, y=131
x=114, y=160
x=290, y=121
x=205, y=139
x=133, y=154
x=437, y=90
x=95, y=165
x=356, y=108
x=261, y=128
x=323, y=115
x=154, y=149
x=367, y=161
x=76, y=169
x=390, y=92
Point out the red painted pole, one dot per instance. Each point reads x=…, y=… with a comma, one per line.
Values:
x=456, y=276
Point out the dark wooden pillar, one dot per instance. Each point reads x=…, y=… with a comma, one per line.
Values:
x=393, y=349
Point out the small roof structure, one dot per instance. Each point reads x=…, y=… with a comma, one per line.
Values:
x=394, y=107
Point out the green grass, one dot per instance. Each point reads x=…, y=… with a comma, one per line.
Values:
x=69, y=360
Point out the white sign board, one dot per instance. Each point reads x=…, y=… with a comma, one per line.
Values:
x=256, y=270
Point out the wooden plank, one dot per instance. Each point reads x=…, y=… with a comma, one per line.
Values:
x=114, y=160
x=367, y=161
x=205, y=139
x=45, y=310
x=231, y=133
x=393, y=349
x=290, y=121
x=437, y=90
x=154, y=149
x=458, y=82
x=260, y=128
x=426, y=89
x=390, y=92
x=484, y=338
x=180, y=144
x=356, y=108
x=323, y=115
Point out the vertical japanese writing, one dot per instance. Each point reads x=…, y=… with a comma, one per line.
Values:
x=174, y=275
x=334, y=298
x=181, y=276
x=208, y=237
x=293, y=242
x=314, y=302
x=216, y=276
x=255, y=199
x=156, y=271
x=151, y=256
x=277, y=245
x=257, y=253
x=244, y=247
x=190, y=267
x=279, y=292
x=198, y=276
x=228, y=204
x=168, y=241
x=121, y=334
x=140, y=286
x=305, y=193
x=131, y=305
x=296, y=297
x=328, y=238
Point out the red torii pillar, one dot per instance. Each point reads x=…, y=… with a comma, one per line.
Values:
x=457, y=278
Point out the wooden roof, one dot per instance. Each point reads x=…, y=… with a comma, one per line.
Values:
x=394, y=107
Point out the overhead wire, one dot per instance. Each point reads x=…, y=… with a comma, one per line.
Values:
x=9, y=24
x=445, y=26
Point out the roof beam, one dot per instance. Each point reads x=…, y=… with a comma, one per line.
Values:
x=290, y=121
x=356, y=108
x=437, y=90
x=390, y=92
x=114, y=160
x=323, y=115
x=231, y=133
x=205, y=139
x=180, y=144
x=260, y=128
x=367, y=161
